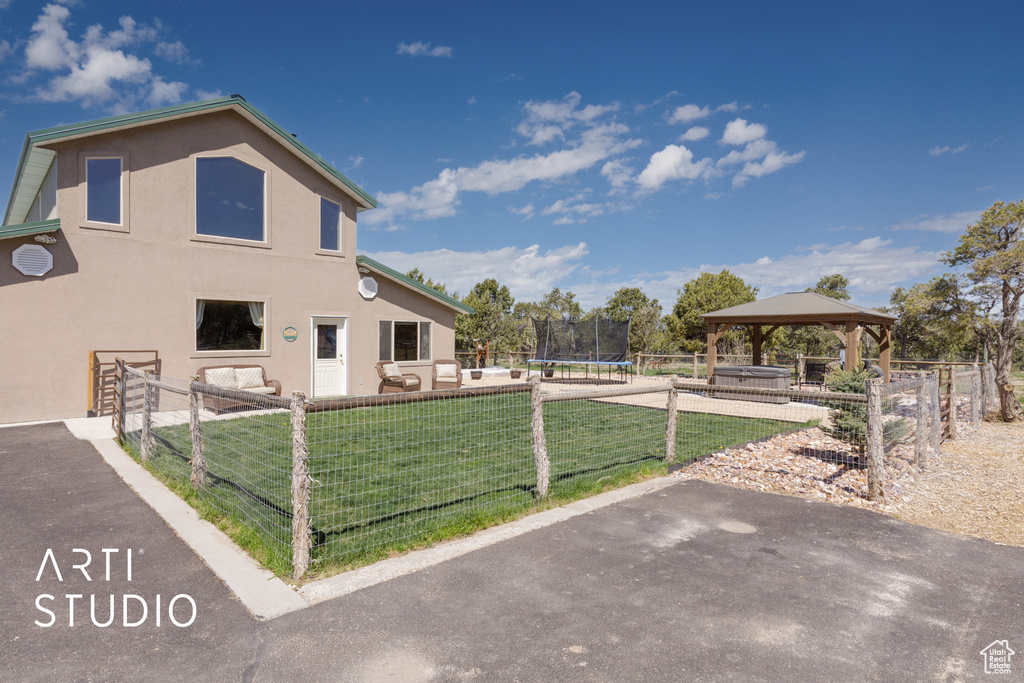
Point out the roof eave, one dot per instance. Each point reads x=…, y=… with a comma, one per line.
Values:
x=29, y=229
x=26, y=187
x=406, y=281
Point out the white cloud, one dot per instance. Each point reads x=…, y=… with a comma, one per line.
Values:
x=440, y=197
x=50, y=47
x=688, y=112
x=528, y=273
x=739, y=132
x=772, y=162
x=164, y=93
x=618, y=174
x=953, y=223
x=420, y=49
x=525, y=211
x=694, y=134
x=937, y=151
x=550, y=120
x=672, y=163
x=98, y=70
x=174, y=52
x=575, y=210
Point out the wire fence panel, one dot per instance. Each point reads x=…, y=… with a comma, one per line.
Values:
x=387, y=477
x=331, y=483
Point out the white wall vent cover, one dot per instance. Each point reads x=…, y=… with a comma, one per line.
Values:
x=367, y=287
x=32, y=259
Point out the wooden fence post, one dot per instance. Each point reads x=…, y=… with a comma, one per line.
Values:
x=695, y=365
x=540, y=446
x=935, y=391
x=670, y=421
x=302, y=537
x=873, y=451
x=975, y=395
x=198, y=460
x=952, y=419
x=924, y=411
x=119, y=400
x=147, y=415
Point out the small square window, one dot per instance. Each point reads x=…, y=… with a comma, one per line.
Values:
x=330, y=225
x=404, y=341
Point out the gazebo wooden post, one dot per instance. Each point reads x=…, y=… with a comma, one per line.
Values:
x=756, y=340
x=885, y=351
x=852, y=339
x=712, y=349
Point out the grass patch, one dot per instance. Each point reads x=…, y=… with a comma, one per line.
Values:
x=394, y=478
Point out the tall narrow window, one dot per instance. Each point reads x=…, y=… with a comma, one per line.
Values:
x=384, y=340
x=103, y=198
x=330, y=225
x=229, y=199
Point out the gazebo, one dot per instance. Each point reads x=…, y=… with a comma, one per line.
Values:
x=846, y=320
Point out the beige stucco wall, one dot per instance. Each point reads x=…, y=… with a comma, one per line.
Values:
x=111, y=289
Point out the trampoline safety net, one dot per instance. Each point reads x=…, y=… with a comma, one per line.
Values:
x=597, y=340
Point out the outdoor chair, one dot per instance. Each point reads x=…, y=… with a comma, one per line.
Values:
x=814, y=372
x=392, y=381
x=446, y=374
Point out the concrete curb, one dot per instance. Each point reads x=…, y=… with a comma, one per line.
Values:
x=385, y=570
x=262, y=593
x=265, y=595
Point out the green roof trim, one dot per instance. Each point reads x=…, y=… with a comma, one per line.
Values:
x=29, y=229
x=24, y=190
x=413, y=284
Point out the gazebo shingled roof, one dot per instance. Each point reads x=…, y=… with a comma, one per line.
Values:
x=845, y=319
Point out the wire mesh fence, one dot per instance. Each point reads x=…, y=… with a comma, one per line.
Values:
x=333, y=483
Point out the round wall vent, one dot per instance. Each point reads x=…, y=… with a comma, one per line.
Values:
x=32, y=259
x=367, y=287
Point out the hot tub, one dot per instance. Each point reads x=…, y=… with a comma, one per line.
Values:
x=756, y=376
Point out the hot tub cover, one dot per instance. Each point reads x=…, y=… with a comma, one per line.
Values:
x=752, y=371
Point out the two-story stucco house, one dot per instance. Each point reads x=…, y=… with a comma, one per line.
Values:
x=205, y=232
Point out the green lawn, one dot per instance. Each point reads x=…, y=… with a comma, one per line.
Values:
x=391, y=478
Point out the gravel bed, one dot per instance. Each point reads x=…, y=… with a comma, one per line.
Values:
x=975, y=486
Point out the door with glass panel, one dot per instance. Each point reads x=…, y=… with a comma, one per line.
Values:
x=330, y=343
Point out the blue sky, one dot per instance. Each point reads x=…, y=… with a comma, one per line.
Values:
x=587, y=146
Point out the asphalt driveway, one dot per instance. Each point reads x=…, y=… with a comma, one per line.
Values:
x=693, y=582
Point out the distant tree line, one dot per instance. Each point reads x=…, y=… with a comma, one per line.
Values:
x=965, y=315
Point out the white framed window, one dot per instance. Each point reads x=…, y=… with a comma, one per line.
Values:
x=401, y=340
x=230, y=199
x=105, y=176
x=330, y=225
x=230, y=325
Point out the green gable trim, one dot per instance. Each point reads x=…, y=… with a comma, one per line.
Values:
x=29, y=229
x=413, y=284
x=24, y=190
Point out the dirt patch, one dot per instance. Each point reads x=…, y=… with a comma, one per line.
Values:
x=975, y=487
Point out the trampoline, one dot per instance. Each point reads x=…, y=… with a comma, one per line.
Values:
x=600, y=343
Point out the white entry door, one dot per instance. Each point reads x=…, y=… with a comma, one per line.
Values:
x=330, y=344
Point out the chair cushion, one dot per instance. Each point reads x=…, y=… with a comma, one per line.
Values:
x=411, y=381
x=249, y=378
x=261, y=389
x=222, y=377
x=446, y=371
x=391, y=370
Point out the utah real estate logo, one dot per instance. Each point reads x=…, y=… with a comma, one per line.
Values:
x=997, y=657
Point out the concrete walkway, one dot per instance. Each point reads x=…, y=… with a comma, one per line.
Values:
x=688, y=581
